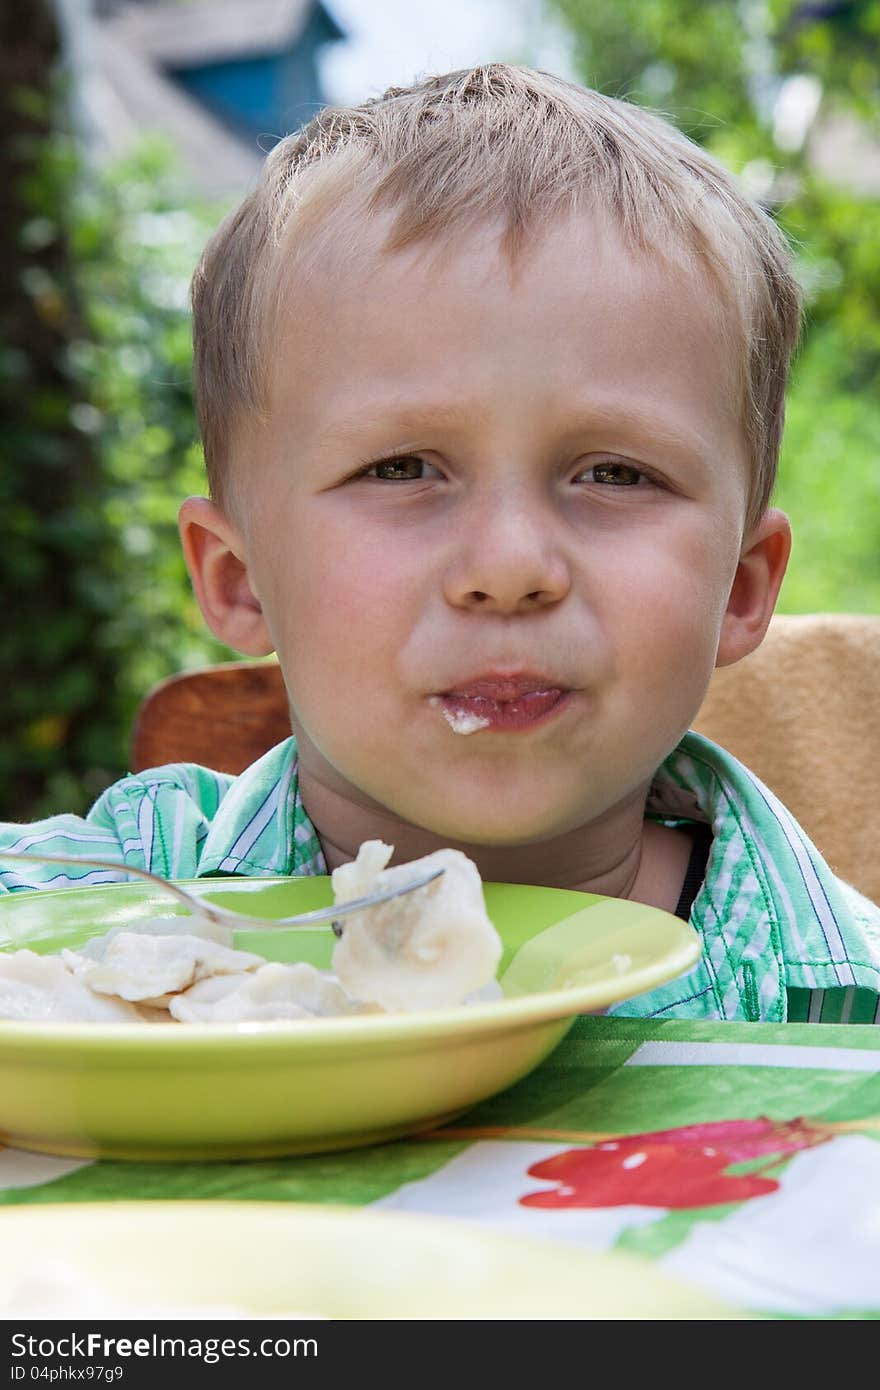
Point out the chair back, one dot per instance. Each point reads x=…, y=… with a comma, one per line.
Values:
x=224, y=716
x=803, y=713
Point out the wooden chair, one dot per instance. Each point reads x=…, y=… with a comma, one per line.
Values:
x=222, y=716
x=803, y=712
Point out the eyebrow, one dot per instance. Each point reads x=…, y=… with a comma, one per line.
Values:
x=651, y=428
x=397, y=418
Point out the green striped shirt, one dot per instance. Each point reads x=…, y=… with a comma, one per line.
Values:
x=783, y=937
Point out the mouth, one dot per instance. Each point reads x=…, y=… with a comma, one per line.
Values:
x=499, y=703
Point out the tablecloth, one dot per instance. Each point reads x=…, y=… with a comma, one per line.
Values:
x=744, y=1158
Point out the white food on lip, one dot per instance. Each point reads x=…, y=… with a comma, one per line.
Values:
x=147, y=969
x=42, y=989
x=425, y=949
x=274, y=990
x=460, y=721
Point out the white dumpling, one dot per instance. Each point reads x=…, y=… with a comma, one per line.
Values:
x=96, y=946
x=40, y=989
x=425, y=949
x=488, y=993
x=154, y=1013
x=359, y=876
x=274, y=991
x=147, y=968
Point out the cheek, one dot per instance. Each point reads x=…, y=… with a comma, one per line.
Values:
x=341, y=613
x=669, y=602
x=686, y=570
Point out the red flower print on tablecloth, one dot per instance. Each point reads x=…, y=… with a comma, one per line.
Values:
x=683, y=1167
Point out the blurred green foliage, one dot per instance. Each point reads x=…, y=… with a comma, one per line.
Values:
x=135, y=247
x=98, y=452
x=717, y=67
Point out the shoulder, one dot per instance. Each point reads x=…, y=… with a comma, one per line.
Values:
x=163, y=819
x=864, y=910
x=769, y=896
x=202, y=785
x=194, y=820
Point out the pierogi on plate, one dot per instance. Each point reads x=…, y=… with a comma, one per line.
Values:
x=430, y=948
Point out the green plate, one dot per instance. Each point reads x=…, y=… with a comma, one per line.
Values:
x=255, y=1090
x=275, y=1259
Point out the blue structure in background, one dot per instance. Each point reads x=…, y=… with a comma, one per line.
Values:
x=265, y=96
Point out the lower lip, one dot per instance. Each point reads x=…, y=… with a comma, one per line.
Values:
x=478, y=714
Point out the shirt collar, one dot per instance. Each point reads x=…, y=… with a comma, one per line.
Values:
x=261, y=826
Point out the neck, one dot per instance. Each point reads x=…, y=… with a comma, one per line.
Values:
x=620, y=855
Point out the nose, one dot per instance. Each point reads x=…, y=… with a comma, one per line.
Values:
x=507, y=559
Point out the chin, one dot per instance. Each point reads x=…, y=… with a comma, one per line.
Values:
x=490, y=830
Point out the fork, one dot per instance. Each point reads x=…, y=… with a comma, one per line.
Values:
x=231, y=916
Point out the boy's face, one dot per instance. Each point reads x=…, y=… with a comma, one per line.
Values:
x=552, y=548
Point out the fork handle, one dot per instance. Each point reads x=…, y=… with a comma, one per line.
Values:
x=331, y=914
x=225, y=916
x=116, y=866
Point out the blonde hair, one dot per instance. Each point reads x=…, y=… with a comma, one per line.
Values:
x=475, y=146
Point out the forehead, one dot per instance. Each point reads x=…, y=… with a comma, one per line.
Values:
x=576, y=317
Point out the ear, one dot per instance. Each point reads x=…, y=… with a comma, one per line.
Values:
x=755, y=588
x=215, y=557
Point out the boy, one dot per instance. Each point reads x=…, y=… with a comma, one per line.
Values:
x=490, y=377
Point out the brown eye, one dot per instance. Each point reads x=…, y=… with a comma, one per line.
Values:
x=614, y=472
x=405, y=469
